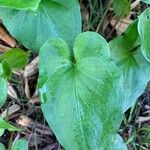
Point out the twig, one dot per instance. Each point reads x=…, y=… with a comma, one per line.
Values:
x=103, y=17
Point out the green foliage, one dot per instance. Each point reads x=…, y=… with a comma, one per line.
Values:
x=126, y=52
x=20, y=4
x=5, y=125
x=7, y=71
x=15, y=58
x=3, y=89
x=53, y=18
x=81, y=93
x=20, y=144
x=2, y=147
x=121, y=7
x=144, y=31
x=146, y=1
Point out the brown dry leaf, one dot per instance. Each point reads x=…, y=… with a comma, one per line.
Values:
x=25, y=121
x=4, y=48
x=12, y=109
x=4, y=36
x=12, y=92
x=32, y=68
x=120, y=25
x=28, y=123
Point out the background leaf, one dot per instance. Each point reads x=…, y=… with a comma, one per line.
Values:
x=82, y=97
x=146, y=1
x=20, y=144
x=126, y=52
x=3, y=89
x=53, y=18
x=15, y=58
x=121, y=8
x=2, y=147
x=20, y=4
x=144, y=31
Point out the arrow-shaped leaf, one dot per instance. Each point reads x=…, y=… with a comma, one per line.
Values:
x=81, y=92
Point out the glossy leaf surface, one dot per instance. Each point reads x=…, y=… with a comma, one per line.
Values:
x=144, y=31
x=53, y=18
x=3, y=88
x=121, y=8
x=20, y=145
x=81, y=94
x=126, y=52
x=20, y=4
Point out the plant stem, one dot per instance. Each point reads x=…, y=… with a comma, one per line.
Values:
x=10, y=141
x=103, y=17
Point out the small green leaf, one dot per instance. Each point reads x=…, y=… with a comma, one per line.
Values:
x=121, y=8
x=7, y=71
x=15, y=58
x=3, y=88
x=126, y=52
x=20, y=144
x=144, y=32
x=6, y=125
x=53, y=18
x=20, y=4
x=2, y=147
x=81, y=94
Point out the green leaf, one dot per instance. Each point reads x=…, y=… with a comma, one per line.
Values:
x=121, y=8
x=7, y=71
x=20, y=4
x=6, y=125
x=2, y=147
x=1, y=132
x=125, y=51
x=119, y=144
x=3, y=89
x=144, y=32
x=15, y=58
x=53, y=18
x=20, y=144
x=146, y=1
x=81, y=94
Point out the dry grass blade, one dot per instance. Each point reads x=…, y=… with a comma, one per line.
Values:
x=4, y=48
x=135, y=4
x=32, y=68
x=12, y=92
x=143, y=119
